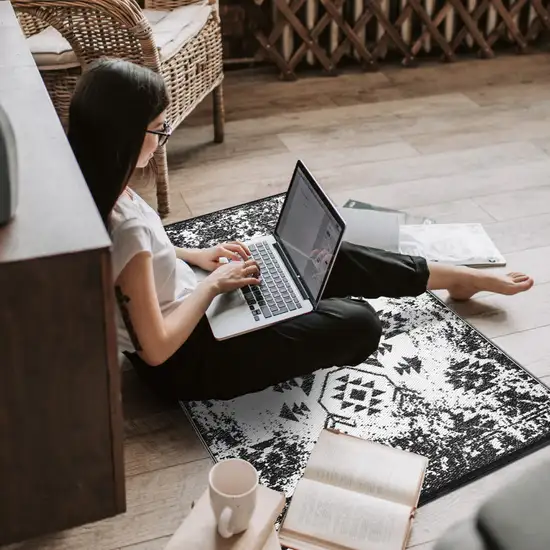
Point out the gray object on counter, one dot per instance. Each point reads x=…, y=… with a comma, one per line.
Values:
x=516, y=517
x=8, y=169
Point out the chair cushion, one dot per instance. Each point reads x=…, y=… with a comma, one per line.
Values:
x=171, y=31
x=51, y=51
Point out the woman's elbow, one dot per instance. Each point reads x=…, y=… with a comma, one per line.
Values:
x=153, y=358
x=157, y=349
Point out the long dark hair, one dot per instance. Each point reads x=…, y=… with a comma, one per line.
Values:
x=113, y=104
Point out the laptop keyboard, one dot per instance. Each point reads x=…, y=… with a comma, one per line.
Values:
x=274, y=296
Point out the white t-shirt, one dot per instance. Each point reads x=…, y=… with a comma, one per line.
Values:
x=135, y=227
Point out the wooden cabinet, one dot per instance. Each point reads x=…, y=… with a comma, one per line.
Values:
x=61, y=458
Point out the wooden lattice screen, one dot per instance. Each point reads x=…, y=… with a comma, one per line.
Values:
x=290, y=33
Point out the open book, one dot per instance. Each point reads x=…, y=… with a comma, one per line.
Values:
x=355, y=495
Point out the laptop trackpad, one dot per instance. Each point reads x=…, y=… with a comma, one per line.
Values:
x=227, y=301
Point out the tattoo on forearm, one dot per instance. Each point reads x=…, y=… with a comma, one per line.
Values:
x=123, y=301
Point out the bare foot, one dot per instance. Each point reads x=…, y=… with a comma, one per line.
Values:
x=478, y=281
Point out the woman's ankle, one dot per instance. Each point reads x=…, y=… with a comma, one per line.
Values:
x=444, y=277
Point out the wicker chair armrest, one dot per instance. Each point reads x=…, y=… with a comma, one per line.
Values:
x=67, y=17
x=127, y=12
x=168, y=5
x=30, y=25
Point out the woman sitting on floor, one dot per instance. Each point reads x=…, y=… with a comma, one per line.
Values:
x=117, y=121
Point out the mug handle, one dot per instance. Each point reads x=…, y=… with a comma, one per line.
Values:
x=224, y=522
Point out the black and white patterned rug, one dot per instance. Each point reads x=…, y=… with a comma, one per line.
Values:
x=435, y=386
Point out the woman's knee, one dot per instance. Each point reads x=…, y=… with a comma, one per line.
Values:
x=364, y=331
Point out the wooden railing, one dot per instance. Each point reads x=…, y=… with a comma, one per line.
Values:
x=328, y=33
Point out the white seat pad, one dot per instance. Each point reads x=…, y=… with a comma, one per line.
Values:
x=51, y=51
x=171, y=31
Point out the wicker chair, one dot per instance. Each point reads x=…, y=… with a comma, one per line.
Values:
x=181, y=39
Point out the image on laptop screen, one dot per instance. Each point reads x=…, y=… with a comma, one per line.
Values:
x=309, y=232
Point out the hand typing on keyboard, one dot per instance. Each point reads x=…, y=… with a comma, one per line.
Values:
x=233, y=276
x=274, y=296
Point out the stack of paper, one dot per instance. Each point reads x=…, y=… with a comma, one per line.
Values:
x=404, y=218
x=454, y=244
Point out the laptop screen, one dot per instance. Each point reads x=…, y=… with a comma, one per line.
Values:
x=310, y=230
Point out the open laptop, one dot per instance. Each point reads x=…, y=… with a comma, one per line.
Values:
x=295, y=261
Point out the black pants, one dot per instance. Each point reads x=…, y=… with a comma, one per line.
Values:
x=341, y=332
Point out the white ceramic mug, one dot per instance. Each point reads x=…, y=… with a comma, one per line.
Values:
x=233, y=485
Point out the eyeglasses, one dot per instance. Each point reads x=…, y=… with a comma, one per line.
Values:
x=163, y=134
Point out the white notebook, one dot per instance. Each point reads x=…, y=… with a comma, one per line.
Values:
x=449, y=243
x=452, y=243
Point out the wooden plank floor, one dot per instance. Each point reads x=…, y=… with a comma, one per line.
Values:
x=459, y=142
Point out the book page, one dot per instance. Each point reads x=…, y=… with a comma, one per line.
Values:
x=367, y=467
x=324, y=516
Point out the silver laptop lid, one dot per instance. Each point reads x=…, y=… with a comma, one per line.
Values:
x=310, y=231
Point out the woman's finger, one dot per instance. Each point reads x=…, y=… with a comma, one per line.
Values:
x=251, y=269
x=237, y=249
x=250, y=263
x=243, y=246
x=251, y=281
x=224, y=252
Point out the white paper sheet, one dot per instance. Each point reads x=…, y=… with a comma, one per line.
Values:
x=454, y=244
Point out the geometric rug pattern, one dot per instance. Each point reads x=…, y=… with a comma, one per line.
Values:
x=435, y=386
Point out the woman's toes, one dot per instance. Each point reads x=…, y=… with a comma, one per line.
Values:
x=521, y=282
